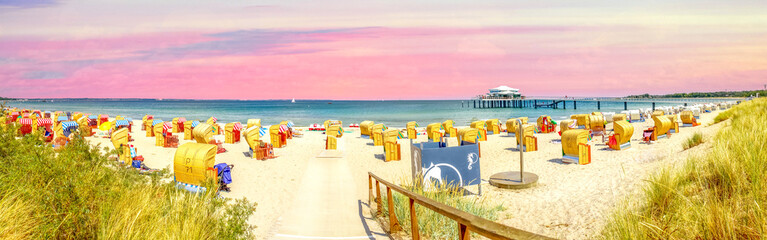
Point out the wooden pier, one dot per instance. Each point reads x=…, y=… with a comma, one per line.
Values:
x=563, y=103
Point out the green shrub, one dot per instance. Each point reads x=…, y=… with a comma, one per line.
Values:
x=80, y=193
x=694, y=140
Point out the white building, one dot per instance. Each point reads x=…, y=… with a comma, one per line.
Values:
x=503, y=92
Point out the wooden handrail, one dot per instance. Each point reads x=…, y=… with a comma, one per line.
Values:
x=467, y=222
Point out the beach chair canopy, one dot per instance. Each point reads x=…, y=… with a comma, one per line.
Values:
x=68, y=127
x=119, y=123
x=25, y=121
x=195, y=123
x=63, y=118
x=167, y=126
x=156, y=121
x=44, y=121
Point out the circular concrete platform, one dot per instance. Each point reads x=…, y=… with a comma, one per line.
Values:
x=510, y=180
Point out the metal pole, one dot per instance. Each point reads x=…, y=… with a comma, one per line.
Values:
x=521, y=151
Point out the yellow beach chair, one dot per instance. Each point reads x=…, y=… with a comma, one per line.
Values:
x=433, y=132
x=688, y=119
x=277, y=136
x=449, y=129
x=411, y=131
x=545, y=124
x=582, y=120
x=662, y=125
x=575, y=146
x=232, y=132
x=119, y=139
x=212, y=121
x=482, y=127
x=391, y=147
x=511, y=126
x=365, y=127
x=619, y=117
x=530, y=142
x=674, y=119
x=253, y=122
x=377, y=134
x=193, y=165
x=493, y=126
x=621, y=139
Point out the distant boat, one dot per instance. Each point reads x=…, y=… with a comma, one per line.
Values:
x=293, y=101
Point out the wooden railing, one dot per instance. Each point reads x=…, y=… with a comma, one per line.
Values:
x=467, y=222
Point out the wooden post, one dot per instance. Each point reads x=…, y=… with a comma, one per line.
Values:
x=463, y=232
x=599, y=105
x=393, y=224
x=379, y=209
x=413, y=221
x=625, y=106
x=653, y=106
x=575, y=104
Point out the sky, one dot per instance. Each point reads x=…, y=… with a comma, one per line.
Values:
x=371, y=50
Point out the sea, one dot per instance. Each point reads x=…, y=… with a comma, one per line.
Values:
x=305, y=112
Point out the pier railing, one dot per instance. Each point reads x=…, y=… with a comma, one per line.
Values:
x=467, y=222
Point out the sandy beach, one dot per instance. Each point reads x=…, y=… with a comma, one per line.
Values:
x=570, y=201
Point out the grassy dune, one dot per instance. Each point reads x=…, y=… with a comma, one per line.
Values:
x=719, y=195
x=79, y=193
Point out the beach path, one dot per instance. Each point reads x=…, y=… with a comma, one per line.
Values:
x=326, y=206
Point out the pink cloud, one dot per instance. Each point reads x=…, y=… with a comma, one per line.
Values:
x=380, y=63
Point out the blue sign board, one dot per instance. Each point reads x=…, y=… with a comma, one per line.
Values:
x=457, y=166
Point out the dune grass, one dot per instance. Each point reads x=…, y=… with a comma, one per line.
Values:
x=432, y=225
x=694, y=140
x=79, y=193
x=720, y=195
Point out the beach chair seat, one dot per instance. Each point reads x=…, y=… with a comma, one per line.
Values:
x=411, y=130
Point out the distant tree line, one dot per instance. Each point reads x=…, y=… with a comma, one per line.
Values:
x=4, y=98
x=704, y=94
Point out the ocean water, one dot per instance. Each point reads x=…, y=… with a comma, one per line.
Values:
x=306, y=112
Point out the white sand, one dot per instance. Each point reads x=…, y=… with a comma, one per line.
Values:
x=570, y=201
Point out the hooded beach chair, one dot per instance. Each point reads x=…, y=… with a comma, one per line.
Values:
x=332, y=134
x=278, y=136
x=597, y=125
x=433, y=132
x=482, y=127
x=232, y=132
x=530, y=143
x=493, y=126
x=575, y=147
x=93, y=121
x=258, y=149
x=253, y=122
x=688, y=119
x=85, y=126
x=212, y=121
x=150, y=131
x=469, y=136
x=125, y=152
x=449, y=128
x=103, y=118
x=175, y=128
x=582, y=120
x=203, y=133
x=412, y=133
x=621, y=138
x=26, y=126
x=391, y=147
x=365, y=127
x=545, y=124
x=674, y=119
x=619, y=117
x=511, y=126
x=376, y=133
x=188, y=128
x=193, y=163
x=45, y=125
x=146, y=121
x=327, y=123
x=660, y=130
